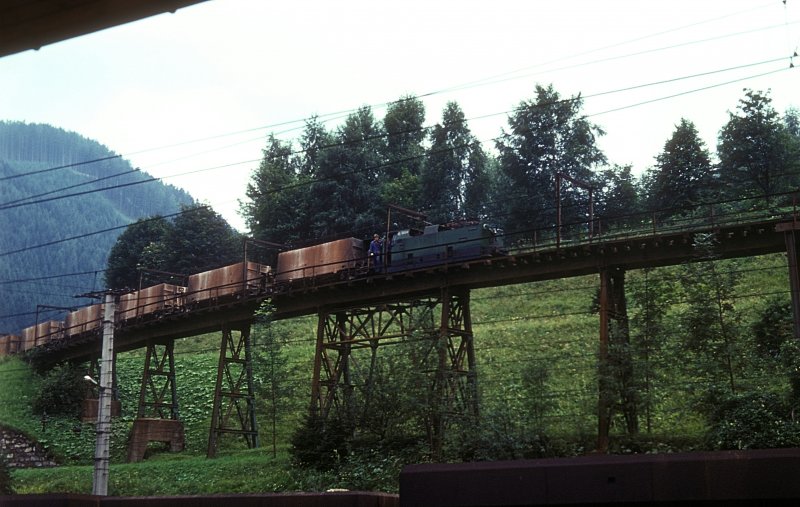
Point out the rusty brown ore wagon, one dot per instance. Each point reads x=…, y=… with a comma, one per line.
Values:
x=83, y=320
x=342, y=257
x=47, y=331
x=227, y=282
x=41, y=333
x=9, y=344
x=157, y=300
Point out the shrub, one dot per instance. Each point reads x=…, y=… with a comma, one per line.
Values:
x=753, y=421
x=320, y=444
x=61, y=391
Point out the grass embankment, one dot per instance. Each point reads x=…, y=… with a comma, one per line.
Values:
x=245, y=472
x=536, y=359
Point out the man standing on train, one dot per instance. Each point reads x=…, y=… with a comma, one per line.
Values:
x=376, y=252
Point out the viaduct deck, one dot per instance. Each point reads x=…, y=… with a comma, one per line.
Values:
x=524, y=264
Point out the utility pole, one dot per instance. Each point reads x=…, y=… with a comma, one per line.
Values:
x=105, y=385
x=103, y=427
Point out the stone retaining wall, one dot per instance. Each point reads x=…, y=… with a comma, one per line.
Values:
x=20, y=451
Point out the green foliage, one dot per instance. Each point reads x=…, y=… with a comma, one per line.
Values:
x=134, y=250
x=403, y=123
x=270, y=369
x=61, y=391
x=275, y=207
x=546, y=135
x=199, y=240
x=682, y=175
x=319, y=444
x=454, y=181
x=247, y=472
x=759, y=420
x=619, y=200
x=775, y=327
x=711, y=327
x=650, y=294
x=756, y=149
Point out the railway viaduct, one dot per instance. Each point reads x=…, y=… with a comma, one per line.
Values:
x=384, y=309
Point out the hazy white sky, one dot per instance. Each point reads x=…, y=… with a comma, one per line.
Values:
x=198, y=91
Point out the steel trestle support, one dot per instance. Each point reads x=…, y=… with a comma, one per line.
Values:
x=233, y=392
x=159, y=363
x=438, y=334
x=157, y=416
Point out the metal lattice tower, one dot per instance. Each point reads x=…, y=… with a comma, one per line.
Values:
x=158, y=396
x=438, y=332
x=233, y=411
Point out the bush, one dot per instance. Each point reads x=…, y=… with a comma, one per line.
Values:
x=320, y=444
x=61, y=392
x=753, y=421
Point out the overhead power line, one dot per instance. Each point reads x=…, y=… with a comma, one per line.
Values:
x=482, y=82
x=94, y=233
x=66, y=166
x=28, y=201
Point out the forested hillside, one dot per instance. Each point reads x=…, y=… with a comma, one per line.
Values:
x=40, y=167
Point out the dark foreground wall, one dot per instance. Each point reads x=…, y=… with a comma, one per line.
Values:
x=338, y=499
x=734, y=478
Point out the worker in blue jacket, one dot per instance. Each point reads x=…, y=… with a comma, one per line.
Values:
x=376, y=252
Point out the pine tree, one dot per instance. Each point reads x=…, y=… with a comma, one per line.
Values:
x=754, y=149
x=454, y=182
x=276, y=209
x=683, y=173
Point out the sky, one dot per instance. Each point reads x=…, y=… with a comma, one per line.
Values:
x=191, y=96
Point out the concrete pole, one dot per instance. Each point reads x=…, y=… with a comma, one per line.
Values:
x=103, y=427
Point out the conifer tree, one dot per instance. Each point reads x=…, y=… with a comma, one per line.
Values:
x=682, y=175
x=454, y=182
x=754, y=149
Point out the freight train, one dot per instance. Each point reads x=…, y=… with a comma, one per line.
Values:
x=344, y=259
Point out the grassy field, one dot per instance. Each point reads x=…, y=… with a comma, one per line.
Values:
x=536, y=355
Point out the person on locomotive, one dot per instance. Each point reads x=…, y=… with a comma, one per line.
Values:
x=376, y=252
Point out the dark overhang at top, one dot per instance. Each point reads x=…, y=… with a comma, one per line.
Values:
x=31, y=24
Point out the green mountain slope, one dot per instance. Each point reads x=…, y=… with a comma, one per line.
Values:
x=39, y=166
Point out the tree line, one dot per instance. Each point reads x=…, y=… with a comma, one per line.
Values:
x=332, y=182
x=335, y=182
